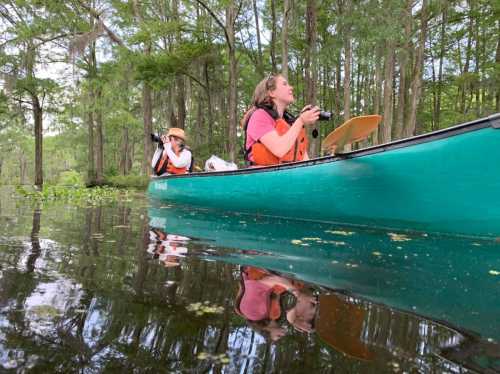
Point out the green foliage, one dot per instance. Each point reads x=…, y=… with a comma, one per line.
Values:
x=76, y=195
x=159, y=69
x=70, y=178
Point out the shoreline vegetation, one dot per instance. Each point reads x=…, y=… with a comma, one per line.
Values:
x=79, y=195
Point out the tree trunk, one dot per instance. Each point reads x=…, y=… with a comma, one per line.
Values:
x=91, y=174
x=124, y=154
x=347, y=70
x=260, y=64
x=38, y=118
x=22, y=168
x=181, y=102
x=434, y=84
x=99, y=140
x=468, y=52
x=37, y=111
x=441, y=59
x=497, y=60
x=284, y=38
x=92, y=112
x=179, y=80
x=403, y=64
x=378, y=89
x=477, y=55
x=147, y=108
x=416, y=84
x=338, y=83
x=209, y=104
x=273, y=36
x=311, y=73
x=231, y=13
x=386, y=134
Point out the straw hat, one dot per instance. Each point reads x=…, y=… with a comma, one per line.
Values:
x=177, y=132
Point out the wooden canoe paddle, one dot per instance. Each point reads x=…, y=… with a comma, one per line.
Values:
x=353, y=130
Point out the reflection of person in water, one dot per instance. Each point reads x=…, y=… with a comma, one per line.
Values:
x=168, y=248
x=302, y=315
x=259, y=301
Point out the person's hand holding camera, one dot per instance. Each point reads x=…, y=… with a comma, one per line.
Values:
x=309, y=115
x=165, y=139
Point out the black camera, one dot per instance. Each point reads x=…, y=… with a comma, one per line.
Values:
x=325, y=116
x=155, y=138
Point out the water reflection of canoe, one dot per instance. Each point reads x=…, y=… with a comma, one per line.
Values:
x=445, y=181
x=363, y=330
x=442, y=277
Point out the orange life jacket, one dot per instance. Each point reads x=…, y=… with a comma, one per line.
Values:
x=165, y=165
x=263, y=156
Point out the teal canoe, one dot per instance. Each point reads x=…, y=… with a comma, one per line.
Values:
x=446, y=181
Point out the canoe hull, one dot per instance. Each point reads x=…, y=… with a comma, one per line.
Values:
x=447, y=182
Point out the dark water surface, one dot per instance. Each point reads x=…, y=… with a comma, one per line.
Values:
x=142, y=287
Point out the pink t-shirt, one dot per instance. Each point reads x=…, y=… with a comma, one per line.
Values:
x=260, y=124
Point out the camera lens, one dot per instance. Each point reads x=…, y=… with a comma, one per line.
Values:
x=325, y=116
x=155, y=138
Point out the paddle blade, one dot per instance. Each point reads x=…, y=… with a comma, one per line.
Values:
x=353, y=130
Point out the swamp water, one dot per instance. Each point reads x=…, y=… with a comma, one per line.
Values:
x=137, y=286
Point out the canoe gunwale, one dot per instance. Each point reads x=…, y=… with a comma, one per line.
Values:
x=479, y=124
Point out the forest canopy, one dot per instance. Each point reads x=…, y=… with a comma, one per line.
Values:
x=84, y=83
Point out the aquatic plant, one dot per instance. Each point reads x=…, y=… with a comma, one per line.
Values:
x=75, y=194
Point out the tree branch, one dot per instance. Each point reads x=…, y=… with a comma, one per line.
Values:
x=97, y=16
x=214, y=16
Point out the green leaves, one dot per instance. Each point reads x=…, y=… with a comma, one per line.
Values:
x=159, y=69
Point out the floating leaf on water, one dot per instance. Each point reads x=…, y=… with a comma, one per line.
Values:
x=494, y=272
x=376, y=253
x=398, y=237
x=202, y=356
x=340, y=232
x=296, y=241
x=44, y=311
x=205, y=308
x=338, y=243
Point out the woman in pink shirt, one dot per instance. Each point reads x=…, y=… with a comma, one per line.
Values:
x=272, y=134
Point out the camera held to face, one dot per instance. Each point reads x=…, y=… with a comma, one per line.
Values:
x=157, y=139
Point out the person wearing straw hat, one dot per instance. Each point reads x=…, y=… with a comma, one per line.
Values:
x=172, y=155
